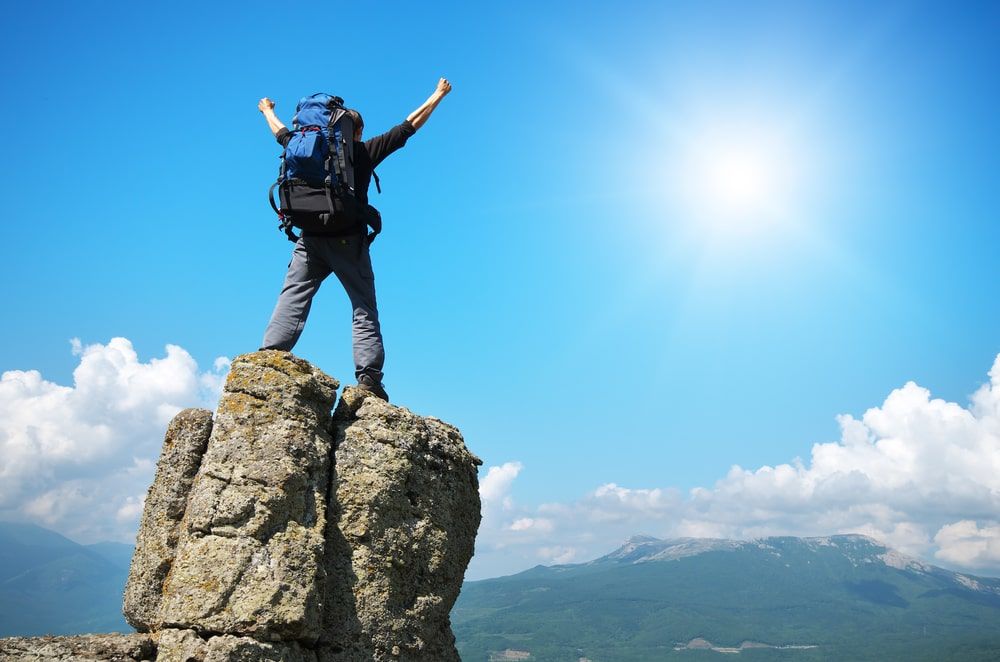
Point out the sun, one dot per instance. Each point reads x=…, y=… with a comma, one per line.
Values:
x=738, y=181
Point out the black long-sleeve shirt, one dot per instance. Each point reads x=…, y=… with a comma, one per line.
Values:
x=368, y=154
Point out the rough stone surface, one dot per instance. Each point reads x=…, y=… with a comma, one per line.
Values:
x=406, y=509
x=83, y=648
x=250, y=555
x=156, y=542
x=187, y=646
x=282, y=532
x=180, y=646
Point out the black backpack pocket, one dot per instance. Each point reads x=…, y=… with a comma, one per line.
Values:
x=301, y=198
x=308, y=208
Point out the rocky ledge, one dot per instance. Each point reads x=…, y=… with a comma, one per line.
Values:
x=285, y=529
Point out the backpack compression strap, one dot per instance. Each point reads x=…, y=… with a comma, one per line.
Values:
x=284, y=223
x=286, y=226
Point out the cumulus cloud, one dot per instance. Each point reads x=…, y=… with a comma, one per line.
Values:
x=79, y=458
x=917, y=472
x=532, y=524
x=920, y=473
x=901, y=472
x=495, y=485
x=513, y=537
x=557, y=554
x=964, y=543
x=497, y=504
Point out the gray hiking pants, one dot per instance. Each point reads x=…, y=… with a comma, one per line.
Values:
x=313, y=259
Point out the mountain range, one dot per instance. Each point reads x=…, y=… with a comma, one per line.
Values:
x=845, y=597
x=52, y=585
x=835, y=598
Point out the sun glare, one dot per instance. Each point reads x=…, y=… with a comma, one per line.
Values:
x=737, y=182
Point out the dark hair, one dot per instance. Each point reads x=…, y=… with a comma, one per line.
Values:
x=355, y=116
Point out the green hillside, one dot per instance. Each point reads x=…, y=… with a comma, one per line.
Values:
x=52, y=585
x=838, y=598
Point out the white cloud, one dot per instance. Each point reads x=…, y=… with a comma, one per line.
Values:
x=513, y=537
x=610, y=502
x=79, y=458
x=495, y=485
x=557, y=554
x=901, y=472
x=917, y=472
x=494, y=492
x=540, y=524
x=130, y=511
x=965, y=544
x=920, y=473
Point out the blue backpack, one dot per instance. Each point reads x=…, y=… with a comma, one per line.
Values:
x=316, y=180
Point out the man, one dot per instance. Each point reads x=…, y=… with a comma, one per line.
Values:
x=316, y=256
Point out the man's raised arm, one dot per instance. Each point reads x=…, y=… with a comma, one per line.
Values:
x=420, y=115
x=266, y=106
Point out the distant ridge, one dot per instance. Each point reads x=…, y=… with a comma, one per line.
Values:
x=841, y=597
x=642, y=549
x=52, y=585
x=859, y=548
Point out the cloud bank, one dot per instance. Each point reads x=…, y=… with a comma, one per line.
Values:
x=919, y=473
x=79, y=459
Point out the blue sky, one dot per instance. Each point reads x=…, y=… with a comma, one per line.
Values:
x=546, y=281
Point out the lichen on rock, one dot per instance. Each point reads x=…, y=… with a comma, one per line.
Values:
x=250, y=556
x=79, y=648
x=406, y=498
x=156, y=542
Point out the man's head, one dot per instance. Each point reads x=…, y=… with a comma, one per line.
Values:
x=359, y=123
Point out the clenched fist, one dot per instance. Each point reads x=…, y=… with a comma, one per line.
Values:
x=444, y=87
x=266, y=104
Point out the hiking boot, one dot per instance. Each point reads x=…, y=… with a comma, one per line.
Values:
x=368, y=383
